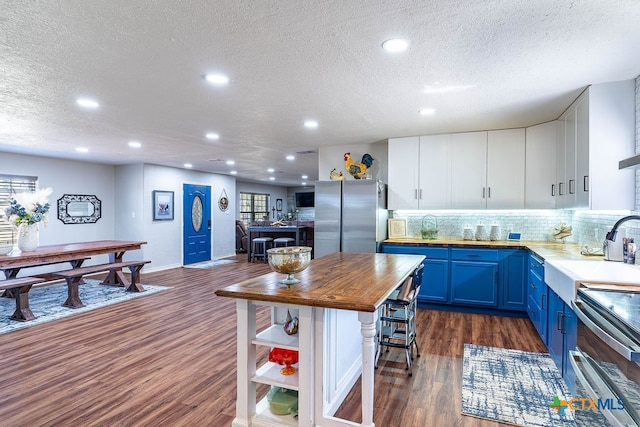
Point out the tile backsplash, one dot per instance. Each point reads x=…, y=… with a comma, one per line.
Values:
x=589, y=227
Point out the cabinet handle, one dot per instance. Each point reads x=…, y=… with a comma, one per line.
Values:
x=415, y=194
x=553, y=190
x=488, y=192
x=421, y=194
x=585, y=183
x=532, y=285
x=560, y=321
x=542, y=301
x=572, y=184
x=483, y=192
x=560, y=193
x=473, y=255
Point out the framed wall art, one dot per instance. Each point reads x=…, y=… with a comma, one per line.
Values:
x=162, y=205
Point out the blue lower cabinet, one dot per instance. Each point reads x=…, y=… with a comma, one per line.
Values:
x=514, y=279
x=435, y=278
x=474, y=283
x=562, y=337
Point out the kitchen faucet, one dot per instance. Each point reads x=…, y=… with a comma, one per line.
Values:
x=611, y=238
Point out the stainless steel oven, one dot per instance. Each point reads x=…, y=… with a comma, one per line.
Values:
x=606, y=360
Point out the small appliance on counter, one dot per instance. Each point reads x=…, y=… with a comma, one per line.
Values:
x=614, y=250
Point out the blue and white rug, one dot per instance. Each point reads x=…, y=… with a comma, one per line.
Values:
x=514, y=387
x=46, y=302
x=211, y=263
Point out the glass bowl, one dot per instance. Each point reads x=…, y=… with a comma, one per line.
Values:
x=289, y=260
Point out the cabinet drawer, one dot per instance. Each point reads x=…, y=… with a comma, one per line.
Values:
x=428, y=251
x=475, y=254
x=536, y=267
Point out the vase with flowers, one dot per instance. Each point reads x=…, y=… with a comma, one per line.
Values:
x=26, y=211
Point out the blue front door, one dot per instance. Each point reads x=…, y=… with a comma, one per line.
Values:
x=197, y=223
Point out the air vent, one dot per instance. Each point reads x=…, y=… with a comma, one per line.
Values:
x=306, y=152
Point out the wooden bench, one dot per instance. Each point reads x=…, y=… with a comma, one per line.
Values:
x=12, y=271
x=74, y=276
x=21, y=289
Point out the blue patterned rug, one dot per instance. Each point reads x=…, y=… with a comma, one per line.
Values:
x=513, y=387
x=46, y=302
x=211, y=263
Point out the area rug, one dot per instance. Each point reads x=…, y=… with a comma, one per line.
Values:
x=46, y=302
x=513, y=387
x=211, y=263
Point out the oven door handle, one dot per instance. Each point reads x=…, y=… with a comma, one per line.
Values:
x=605, y=331
x=600, y=387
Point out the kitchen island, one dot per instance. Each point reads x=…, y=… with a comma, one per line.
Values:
x=355, y=282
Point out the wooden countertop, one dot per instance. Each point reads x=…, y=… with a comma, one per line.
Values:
x=342, y=280
x=545, y=250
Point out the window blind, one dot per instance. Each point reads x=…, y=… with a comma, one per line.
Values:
x=10, y=185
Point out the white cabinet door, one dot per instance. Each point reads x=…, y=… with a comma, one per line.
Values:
x=581, y=185
x=433, y=191
x=469, y=170
x=540, y=185
x=505, y=169
x=561, y=183
x=403, y=173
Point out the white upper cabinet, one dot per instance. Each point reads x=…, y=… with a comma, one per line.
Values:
x=419, y=172
x=540, y=186
x=434, y=191
x=505, y=169
x=469, y=170
x=403, y=174
x=611, y=138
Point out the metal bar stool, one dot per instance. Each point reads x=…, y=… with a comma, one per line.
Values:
x=259, y=248
x=283, y=241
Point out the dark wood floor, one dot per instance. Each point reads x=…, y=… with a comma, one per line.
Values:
x=168, y=359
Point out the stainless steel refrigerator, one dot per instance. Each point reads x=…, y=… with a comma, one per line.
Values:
x=350, y=216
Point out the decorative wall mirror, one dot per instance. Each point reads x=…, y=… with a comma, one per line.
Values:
x=79, y=209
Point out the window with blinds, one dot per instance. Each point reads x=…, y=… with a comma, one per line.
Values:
x=254, y=207
x=10, y=185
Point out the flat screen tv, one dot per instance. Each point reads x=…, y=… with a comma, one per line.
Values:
x=305, y=200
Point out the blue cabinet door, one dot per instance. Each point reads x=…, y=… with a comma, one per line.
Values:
x=514, y=279
x=435, y=281
x=474, y=283
x=570, y=342
x=555, y=341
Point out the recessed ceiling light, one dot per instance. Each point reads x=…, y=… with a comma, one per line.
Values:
x=134, y=144
x=311, y=124
x=291, y=157
x=217, y=79
x=271, y=170
x=82, y=149
x=427, y=111
x=305, y=177
x=272, y=178
x=188, y=165
x=395, y=45
x=231, y=162
x=304, y=183
x=212, y=136
x=87, y=103
x=234, y=172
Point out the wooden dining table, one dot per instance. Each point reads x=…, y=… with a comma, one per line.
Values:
x=73, y=253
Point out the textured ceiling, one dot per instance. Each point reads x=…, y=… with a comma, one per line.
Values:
x=290, y=60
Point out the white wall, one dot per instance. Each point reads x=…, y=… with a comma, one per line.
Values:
x=165, y=237
x=68, y=177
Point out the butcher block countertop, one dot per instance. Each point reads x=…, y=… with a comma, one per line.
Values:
x=342, y=280
x=545, y=250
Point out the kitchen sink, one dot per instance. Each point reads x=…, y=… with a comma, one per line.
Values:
x=563, y=276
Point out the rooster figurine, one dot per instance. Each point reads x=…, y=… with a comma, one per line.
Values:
x=357, y=170
x=336, y=175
